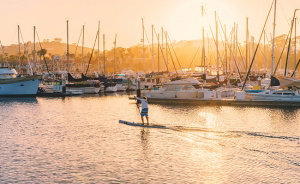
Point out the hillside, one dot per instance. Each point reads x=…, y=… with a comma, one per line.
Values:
x=53, y=48
x=178, y=55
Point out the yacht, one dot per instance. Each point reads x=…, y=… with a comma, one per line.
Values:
x=12, y=84
x=275, y=95
x=185, y=89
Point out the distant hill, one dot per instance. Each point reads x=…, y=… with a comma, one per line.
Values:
x=53, y=48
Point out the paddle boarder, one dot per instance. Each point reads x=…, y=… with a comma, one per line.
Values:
x=144, y=111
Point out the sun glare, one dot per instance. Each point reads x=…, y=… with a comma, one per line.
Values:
x=184, y=19
x=210, y=119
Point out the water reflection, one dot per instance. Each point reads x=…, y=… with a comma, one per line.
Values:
x=79, y=140
x=145, y=142
x=9, y=100
x=209, y=118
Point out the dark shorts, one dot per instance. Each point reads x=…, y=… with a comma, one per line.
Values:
x=144, y=112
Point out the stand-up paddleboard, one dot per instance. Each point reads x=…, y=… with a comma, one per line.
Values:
x=150, y=125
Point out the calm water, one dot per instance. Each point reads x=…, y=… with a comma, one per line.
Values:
x=79, y=140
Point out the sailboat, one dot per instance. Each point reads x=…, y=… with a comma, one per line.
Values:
x=13, y=84
x=85, y=84
x=290, y=94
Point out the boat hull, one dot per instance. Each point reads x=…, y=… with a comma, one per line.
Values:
x=25, y=86
x=86, y=90
x=272, y=98
x=109, y=89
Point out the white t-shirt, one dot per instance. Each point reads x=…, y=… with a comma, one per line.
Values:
x=144, y=102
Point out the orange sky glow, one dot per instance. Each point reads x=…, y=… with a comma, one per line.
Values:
x=182, y=19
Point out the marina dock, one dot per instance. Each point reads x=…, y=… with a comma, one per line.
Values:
x=224, y=102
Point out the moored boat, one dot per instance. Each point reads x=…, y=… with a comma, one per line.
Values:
x=185, y=88
x=12, y=84
x=275, y=95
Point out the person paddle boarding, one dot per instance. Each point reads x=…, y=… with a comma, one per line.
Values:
x=144, y=111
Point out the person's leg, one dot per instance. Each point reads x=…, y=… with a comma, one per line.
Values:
x=147, y=120
x=142, y=119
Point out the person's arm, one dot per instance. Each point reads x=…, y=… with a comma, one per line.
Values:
x=138, y=98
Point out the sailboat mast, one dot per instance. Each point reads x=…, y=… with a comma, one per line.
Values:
x=265, y=58
x=115, y=43
x=295, y=51
x=203, y=55
x=98, y=54
x=247, y=44
x=152, y=49
x=217, y=47
x=68, y=54
x=34, y=51
x=203, y=47
x=233, y=42
x=236, y=42
x=273, y=40
x=19, y=49
x=166, y=36
x=83, y=68
x=208, y=49
x=144, y=64
x=162, y=49
x=158, y=52
x=288, y=51
x=226, y=61
x=104, y=69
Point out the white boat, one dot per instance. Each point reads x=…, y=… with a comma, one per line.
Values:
x=53, y=82
x=109, y=88
x=13, y=85
x=292, y=94
x=275, y=95
x=55, y=88
x=121, y=84
x=87, y=87
x=121, y=87
x=85, y=84
x=184, y=89
x=226, y=92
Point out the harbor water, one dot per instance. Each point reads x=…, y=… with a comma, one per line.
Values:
x=79, y=140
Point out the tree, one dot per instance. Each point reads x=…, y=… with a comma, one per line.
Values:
x=279, y=41
x=12, y=58
x=58, y=40
x=72, y=55
x=22, y=57
x=41, y=53
x=50, y=55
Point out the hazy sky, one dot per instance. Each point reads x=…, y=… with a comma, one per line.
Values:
x=182, y=19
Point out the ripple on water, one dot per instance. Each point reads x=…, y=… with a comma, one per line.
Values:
x=79, y=140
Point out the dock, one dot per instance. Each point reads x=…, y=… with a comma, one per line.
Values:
x=224, y=102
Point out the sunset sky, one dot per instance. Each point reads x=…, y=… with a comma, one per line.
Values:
x=181, y=18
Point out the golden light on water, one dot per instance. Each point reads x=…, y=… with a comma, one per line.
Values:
x=209, y=118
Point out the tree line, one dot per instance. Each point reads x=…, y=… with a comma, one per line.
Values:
x=171, y=57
